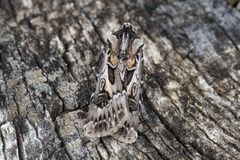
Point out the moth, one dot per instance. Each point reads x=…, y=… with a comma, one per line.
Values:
x=114, y=106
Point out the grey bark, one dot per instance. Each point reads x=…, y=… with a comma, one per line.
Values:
x=48, y=63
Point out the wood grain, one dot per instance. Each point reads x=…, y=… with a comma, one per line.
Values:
x=49, y=52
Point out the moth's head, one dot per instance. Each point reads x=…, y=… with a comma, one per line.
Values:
x=124, y=45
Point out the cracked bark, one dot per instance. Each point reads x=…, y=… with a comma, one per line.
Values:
x=48, y=63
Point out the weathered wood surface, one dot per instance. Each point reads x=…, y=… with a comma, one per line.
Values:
x=48, y=64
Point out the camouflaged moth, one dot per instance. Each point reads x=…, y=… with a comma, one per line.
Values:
x=114, y=106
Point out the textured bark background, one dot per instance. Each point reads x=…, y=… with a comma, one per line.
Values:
x=48, y=64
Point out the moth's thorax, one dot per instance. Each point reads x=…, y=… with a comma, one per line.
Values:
x=123, y=53
x=123, y=46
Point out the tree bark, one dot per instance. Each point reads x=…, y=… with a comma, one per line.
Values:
x=49, y=52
